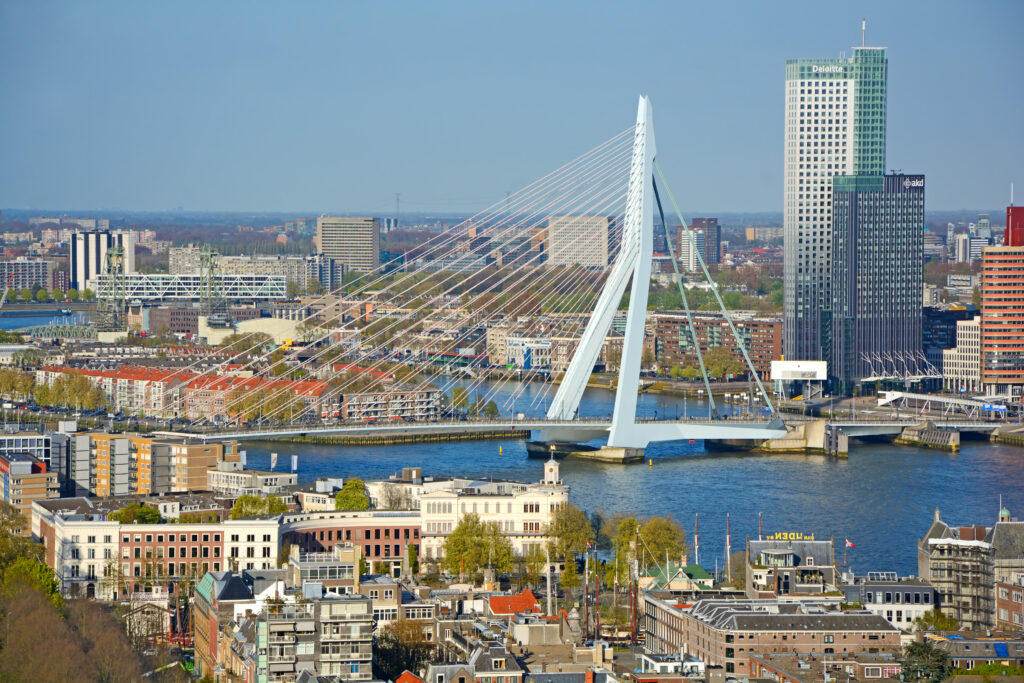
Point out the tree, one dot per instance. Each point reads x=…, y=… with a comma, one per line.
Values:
x=72, y=294
x=570, y=575
x=254, y=506
x=571, y=531
x=314, y=288
x=42, y=296
x=413, y=552
x=401, y=646
x=936, y=620
x=738, y=569
x=676, y=372
x=136, y=513
x=460, y=398
x=661, y=537
x=690, y=372
x=474, y=545
x=720, y=361
x=352, y=496
x=924, y=663
x=26, y=572
x=292, y=289
x=490, y=410
x=26, y=294
x=88, y=294
x=244, y=342
x=12, y=295
x=56, y=294
x=14, y=543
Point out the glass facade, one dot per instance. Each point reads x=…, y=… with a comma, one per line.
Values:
x=878, y=251
x=835, y=125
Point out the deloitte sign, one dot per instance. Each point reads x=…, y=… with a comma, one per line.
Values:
x=830, y=69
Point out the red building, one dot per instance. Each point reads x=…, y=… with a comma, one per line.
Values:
x=1002, y=316
x=1015, y=226
x=382, y=536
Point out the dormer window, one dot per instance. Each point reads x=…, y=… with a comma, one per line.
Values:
x=810, y=561
x=497, y=663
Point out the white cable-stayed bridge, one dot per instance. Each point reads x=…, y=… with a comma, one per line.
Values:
x=514, y=272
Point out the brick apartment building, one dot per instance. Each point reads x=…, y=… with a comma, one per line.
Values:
x=382, y=536
x=762, y=337
x=726, y=633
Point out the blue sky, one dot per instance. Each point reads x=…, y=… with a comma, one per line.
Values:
x=335, y=106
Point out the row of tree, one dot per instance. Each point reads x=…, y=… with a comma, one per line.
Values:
x=42, y=295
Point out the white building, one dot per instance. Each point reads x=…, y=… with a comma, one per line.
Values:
x=523, y=511
x=578, y=240
x=961, y=365
x=528, y=353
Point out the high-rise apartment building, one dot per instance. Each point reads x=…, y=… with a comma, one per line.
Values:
x=712, y=252
x=89, y=251
x=877, y=287
x=835, y=125
x=689, y=243
x=25, y=273
x=353, y=241
x=578, y=240
x=1002, y=320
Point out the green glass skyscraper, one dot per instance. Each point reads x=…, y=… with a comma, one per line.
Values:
x=835, y=125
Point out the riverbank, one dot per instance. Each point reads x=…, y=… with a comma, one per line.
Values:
x=401, y=439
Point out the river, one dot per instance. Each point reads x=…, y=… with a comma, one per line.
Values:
x=881, y=498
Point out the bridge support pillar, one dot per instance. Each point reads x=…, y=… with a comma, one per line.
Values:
x=615, y=454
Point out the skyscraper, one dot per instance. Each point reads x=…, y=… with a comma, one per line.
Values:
x=712, y=251
x=835, y=125
x=877, y=252
x=353, y=241
x=1002, y=303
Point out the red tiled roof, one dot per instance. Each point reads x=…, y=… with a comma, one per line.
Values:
x=408, y=677
x=523, y=603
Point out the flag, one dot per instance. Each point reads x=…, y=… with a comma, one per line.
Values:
x=273, y=460
x=295, y=463
x=589, y=545
x=849, y=544
x=241, y=455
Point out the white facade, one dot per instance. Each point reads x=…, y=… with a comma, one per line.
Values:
x=961, y=365
x=578, y=240
x=89, y=250
x=522, y=511
x=252, y=543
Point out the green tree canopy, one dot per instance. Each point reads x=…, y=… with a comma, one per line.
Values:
x=924, y=663
x=720, y=361
x=136, y=513
x=292, y=289
x=571, y=531
x=254, y=506
x=42, y=296
x=14, y=542
x=663, y=536
x=474, y=545
x=73, y=294
x=352, y=496
x=936, y=620
x=26, y=572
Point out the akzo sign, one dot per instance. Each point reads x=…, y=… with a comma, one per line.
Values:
x=913, y=182
x=830, y=69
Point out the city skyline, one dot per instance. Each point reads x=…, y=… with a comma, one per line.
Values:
x=223, y=110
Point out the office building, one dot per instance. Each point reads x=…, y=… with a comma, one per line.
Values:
x=961, y=365
x=301, y=270
x=938, y=329
x=578, y=240
x=763, y=234
x=877, y=279
x=353, y=241
x=712, y=252
x=26, y=273
x=835, y=125
x=89, y=250
x=977, y=244
x=962, y=248
x=899, y=600
x=1002, y=321
x=984, y=227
